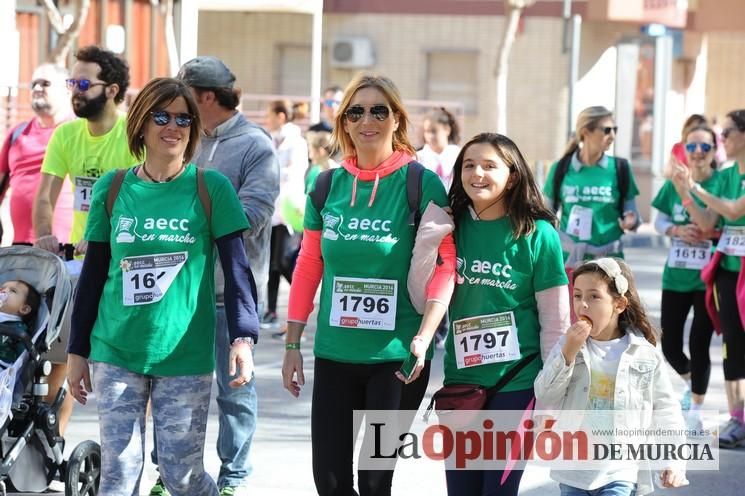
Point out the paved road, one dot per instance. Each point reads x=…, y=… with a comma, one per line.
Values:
x=282, y=453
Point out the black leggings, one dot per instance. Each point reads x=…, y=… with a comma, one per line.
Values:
x=339, y=389
x=675, y=308
x=281, y=263
x=732, y=332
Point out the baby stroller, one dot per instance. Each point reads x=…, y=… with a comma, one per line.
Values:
x=31, y=448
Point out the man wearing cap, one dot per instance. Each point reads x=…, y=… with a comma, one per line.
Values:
x=242, y=151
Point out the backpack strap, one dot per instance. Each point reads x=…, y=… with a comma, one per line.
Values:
x=321, y=190
x=623, y=178
x=414, y=176
x=116, y=185
x=20, y=128
x=514, y=370
x=562, y=167
x=204, y=195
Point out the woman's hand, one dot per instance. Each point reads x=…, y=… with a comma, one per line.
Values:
x=77, y=371
x=576, y=336
x=628, y=221
x=241, y=361
x=690, y=233
x=682, y=180
x=418, y=348
x=292, y=372
x=673, y=478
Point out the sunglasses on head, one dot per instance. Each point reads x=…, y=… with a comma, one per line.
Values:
x=162, y=118
x=44, y=83
x=379, y=112
x=705, y=147
x=607, y=130
x=82, y=84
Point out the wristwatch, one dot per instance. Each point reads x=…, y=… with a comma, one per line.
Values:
x=247, y=339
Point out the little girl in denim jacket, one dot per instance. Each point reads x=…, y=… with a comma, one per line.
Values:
x=608, y=361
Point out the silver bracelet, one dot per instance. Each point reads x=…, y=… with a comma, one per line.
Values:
x=244, y=340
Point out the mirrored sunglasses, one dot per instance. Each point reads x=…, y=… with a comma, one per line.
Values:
x=162, y=118
x=82, y=84
x=330, y=102
x=705, y=147
x=379, y=112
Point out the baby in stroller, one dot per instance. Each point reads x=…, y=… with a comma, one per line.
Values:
x=19, y=304
x=35, y=295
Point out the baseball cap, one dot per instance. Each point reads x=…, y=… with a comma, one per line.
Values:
x=206, y=72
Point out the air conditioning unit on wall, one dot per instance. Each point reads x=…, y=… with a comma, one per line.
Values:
x=352, y=52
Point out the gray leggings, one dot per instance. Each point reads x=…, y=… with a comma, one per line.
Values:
x=179, y=404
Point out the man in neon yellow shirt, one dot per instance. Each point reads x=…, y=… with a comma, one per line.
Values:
x=86, y=148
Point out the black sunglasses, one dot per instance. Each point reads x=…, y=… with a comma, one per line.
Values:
x=705, y=147
x=379, y=112
x=44, y=83
x=607, y=130
x=162, y=118
x=83, y=84
x=728, y=131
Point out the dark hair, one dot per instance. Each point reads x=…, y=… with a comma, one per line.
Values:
x=340, y=138
x=705, y=128
x=282, y=107
x=523, y=199
x=227, y=98
x=441, y=116
x=634, y=316
x=694, y=120
x=157, y=95
x=33, y=300
x=114, y=70
x=738, y=117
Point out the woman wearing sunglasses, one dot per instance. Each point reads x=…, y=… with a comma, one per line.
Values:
x=593, y=192
x=144, y=317
x=724, y=276
x=359, y=246
x=691, y=247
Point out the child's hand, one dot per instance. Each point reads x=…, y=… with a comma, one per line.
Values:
x=673, y=478
x=576, y=336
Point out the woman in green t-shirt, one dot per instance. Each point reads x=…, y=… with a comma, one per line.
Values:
x=511, y=303
x=593, y=192
x=144, y=314
x=682, y=287
x=725, y=274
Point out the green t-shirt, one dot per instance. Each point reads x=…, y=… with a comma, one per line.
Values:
x=731, y=187
x=157, y=311
x=372, y=245
x=74, y=152
x=668, y=202
x=592, y=189
x=310, y=177
x=497, y=274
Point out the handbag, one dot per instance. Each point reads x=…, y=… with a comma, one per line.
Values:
x=472, y=397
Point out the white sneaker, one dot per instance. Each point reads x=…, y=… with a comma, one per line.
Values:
x=57, y=486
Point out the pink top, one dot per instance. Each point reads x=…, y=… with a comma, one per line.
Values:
x=23, y=162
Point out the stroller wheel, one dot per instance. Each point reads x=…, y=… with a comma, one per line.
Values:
x=83, y=473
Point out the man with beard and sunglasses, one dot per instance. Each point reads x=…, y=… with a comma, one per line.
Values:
x=86, y=148
x=23, y=151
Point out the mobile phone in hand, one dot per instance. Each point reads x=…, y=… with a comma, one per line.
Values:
x=407, y=368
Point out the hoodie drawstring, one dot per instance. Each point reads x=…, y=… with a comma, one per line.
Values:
x=214, y=149
x=374, y=190
x=354, y=190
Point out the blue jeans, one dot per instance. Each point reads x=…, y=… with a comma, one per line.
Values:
x=617, y=488
x=237, y=409
x=489, y=482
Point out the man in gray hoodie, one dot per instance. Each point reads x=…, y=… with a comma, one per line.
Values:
x=243, y=152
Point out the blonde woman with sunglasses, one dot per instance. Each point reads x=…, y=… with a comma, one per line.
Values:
x=358, y=245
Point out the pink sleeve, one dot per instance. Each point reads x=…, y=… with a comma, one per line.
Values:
x=306, y=277
x=440, y=287
x=5, y=154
